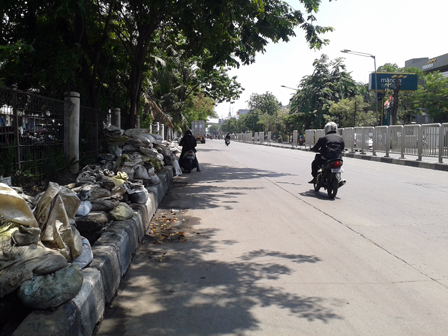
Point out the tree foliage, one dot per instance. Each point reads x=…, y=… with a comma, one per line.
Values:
x=107, y=50
x=329, y=82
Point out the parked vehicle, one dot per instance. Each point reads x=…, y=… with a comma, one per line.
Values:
x=198, y=129
x=188, y=161
x=329, y=177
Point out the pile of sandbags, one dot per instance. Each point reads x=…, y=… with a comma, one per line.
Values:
x=39, y=248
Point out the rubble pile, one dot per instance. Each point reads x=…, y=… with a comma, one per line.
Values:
x=45, y=241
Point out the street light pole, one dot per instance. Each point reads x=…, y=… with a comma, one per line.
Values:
x=345, y=51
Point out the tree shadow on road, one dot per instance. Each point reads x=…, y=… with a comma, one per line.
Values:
x=186, y=292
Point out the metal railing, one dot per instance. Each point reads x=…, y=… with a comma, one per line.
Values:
x=420, y=140
x=32, y=131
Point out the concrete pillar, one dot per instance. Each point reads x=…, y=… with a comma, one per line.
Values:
x=137, y=122
x=116, y=117
x=71, y=128
x=261, y=137
x=294, y=138
x=269, y=136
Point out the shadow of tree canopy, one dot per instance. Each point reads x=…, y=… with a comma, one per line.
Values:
x=209, y=193
x=193, y=295
x=194, y=288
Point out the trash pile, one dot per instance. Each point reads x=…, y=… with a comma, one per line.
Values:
x=45, y=241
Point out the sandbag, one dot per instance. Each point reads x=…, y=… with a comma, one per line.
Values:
x=154, y=179
x=86, y=256
x=104, y=204
x=54, y=213
x=107, y=182
x=26, y=235
x=52, y=290
x=122, y=212
x=152, y=153
x=114, y=131
x=131, y=132
x=20, y=263
x=14, y=209
x=140, y=172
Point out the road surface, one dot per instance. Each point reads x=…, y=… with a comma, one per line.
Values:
x=264, y=254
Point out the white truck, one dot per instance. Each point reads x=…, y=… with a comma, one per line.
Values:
x=198, y=129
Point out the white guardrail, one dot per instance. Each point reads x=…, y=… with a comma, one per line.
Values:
x=430, y=140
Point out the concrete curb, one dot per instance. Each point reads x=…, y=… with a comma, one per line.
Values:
x=370, y=157
x=112, y=253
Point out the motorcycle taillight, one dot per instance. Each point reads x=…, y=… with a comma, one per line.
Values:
x=336, y=164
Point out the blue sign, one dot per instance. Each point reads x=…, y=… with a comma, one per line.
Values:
x=386, y=81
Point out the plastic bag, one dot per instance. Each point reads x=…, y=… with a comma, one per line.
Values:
x=84, y=208
x=176, y=167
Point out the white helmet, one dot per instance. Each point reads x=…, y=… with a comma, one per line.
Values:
x=331, y=127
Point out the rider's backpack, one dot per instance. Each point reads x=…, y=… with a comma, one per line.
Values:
x=333, y=151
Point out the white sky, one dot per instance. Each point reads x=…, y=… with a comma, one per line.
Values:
x=392, y=30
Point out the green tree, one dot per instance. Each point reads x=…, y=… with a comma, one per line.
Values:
x=432, y=96
x=330, y=82
x=104, y=49
x=266, y=103
x=351, y=112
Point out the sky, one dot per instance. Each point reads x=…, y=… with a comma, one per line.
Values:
x=392, y=30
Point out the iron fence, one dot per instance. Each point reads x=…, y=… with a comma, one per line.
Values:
x=32, y=132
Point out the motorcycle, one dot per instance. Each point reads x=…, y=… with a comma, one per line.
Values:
x=227, y=142
x=188, y=161
x=329, y=177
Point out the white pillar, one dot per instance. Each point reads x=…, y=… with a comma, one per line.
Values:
x=137, y=122
x=71, y=128
x=116, y=117
x=294, y=138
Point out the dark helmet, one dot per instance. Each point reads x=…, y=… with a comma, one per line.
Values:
x=188, y=132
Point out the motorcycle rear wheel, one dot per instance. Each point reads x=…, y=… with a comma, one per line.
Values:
x=333, y=187
x=188, y=164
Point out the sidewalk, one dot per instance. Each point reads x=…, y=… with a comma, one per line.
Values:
x=428, y=162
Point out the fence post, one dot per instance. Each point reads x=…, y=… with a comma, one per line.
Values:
x=375, y=142
x=387, y=142
x=441, y=143
x=116, y=117
x=403, y=142
x=420, y=143
x=71, y=128
x=16, y=128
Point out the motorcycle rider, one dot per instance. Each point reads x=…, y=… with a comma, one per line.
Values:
x=227, y=137
x=331, y=139
x=188, y=142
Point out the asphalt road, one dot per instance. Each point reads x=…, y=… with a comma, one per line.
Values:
x=264, y=254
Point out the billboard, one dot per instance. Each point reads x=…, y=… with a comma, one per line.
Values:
x=386, y=81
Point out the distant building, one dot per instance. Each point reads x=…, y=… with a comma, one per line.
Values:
x=439, y=63
x=241, y=112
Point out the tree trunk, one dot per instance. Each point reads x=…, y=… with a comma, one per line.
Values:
x=394, y=110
